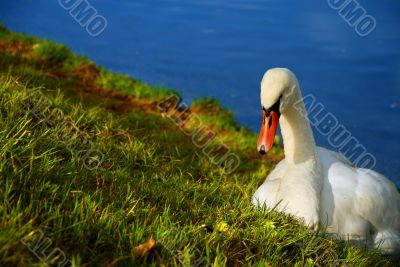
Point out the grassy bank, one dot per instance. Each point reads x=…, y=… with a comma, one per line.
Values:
x=92, y=165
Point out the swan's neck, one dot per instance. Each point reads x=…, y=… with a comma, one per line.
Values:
x=299, y=143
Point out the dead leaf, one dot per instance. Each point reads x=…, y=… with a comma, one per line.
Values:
x=143, y=249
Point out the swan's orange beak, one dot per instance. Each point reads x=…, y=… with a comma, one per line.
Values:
x=268, y=131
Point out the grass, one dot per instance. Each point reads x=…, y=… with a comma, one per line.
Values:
x=151, y=179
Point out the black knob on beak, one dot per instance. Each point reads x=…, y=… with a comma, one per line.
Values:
x=262, y=150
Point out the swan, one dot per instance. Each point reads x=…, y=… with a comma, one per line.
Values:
x=320, y=187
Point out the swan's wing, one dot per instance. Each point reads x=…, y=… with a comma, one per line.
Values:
x=328, y=157
x=361, y=192
x=383, y=196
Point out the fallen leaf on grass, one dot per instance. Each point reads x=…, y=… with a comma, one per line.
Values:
x=144, y=248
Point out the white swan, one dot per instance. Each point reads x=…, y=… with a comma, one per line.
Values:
x=319, y=186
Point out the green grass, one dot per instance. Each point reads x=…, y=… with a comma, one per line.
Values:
x=126, y=84
x=51, y=52
x=152, y=179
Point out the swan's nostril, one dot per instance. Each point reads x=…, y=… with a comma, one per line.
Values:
x=262, y=150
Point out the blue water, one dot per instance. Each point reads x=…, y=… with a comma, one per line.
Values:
x=221, y=48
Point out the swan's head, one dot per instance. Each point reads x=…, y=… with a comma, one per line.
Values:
x=279, y=87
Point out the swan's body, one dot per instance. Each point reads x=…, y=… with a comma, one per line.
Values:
x=319, y=186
